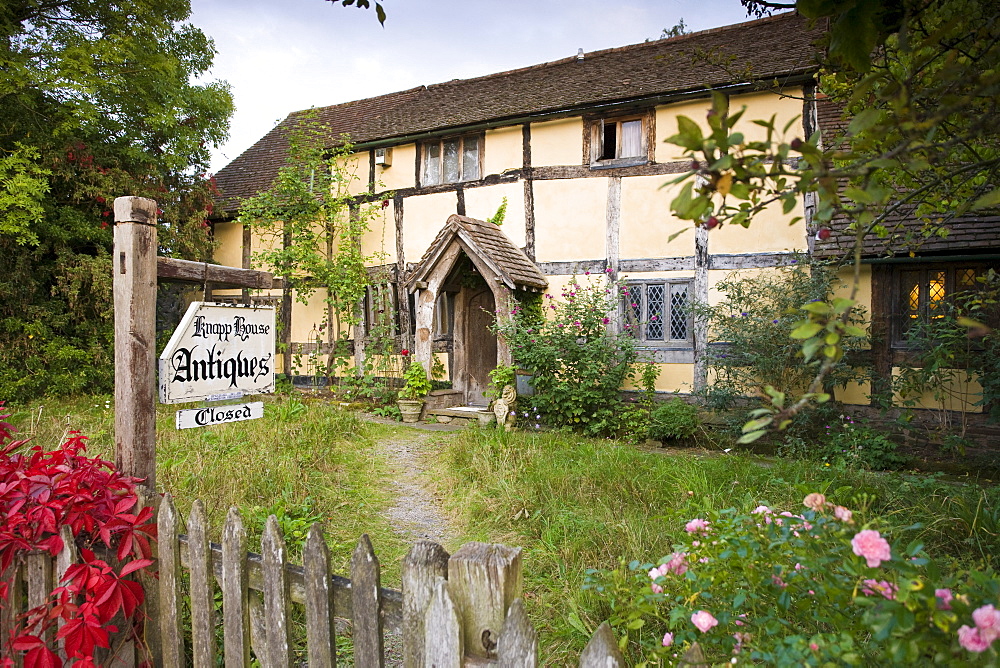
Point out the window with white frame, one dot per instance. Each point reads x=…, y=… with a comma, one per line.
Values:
x=655, y=312
x=451, y=160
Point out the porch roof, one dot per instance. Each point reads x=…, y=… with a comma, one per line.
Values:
x=487, y=242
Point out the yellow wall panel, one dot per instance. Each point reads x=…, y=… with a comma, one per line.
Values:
x=228, y=244
x=423, y=218
x=380, y=239
x=503, y=150
x=402, y=172
x=761, y=106
x=570, y=219
x=666, y=126
x=557, y=142
x=646, y=221
x=482, y=203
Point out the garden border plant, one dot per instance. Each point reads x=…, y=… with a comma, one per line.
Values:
x=41, y=492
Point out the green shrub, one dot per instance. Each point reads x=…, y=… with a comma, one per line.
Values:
x=674, y=419
x=417, y=384
x=579, y=364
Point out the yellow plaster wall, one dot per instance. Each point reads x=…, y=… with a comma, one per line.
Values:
x=481, y=203
x=307, y=316
x=960, y=395
x=503, y=150
x=764, y=105
x=646, y=222
x=845, y=279
x=356, y=166
x=570, y=217
x=853, y=393
x=557, y=142
x=400, y=174
x=769, y=232
x=380, y=239
x=671, y=378
x=666, y=126
x=228, y=244
x=423, y=218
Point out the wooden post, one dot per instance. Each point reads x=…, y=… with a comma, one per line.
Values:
x=366, y=600
x=602, y=650
x=483, y=581
x=134, y=264
x=425, y=562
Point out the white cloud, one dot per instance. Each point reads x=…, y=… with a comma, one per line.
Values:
x=280, y=56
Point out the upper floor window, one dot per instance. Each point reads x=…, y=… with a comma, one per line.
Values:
x=619, y=141
x=657, y=311
x=451, y=160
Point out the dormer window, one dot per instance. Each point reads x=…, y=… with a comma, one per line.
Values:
x=451, y=160
x=620, y=141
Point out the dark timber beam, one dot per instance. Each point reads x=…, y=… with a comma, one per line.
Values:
x=186, y=271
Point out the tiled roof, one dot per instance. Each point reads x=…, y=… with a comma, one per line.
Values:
x=775, y=47
x=488, y=242
x=967, y=234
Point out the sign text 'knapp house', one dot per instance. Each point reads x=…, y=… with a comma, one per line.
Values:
x=218, y=351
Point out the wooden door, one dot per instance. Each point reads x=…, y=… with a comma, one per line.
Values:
x=480, y=346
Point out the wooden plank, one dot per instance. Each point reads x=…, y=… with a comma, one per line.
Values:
x=202, y=596
x=518, y=646
x=571, y=268
x=258, y=624
x=529, y=192
x=694, y=657
x=13, y=606
x=38, y=573
x=320, y=631
x=150, y=611
x=134, y=286
x=699, y=294
x=170, y=572
x=235, y=592
x=67, y=557
x=443, y=645
x=613, y=225
x=278, y=642
x=630, y=265
x=602, y=650
x=367, y=600
x=402, y=294
x=483, y=581
x=220, y=276
x=424, y=563
x=392, y=600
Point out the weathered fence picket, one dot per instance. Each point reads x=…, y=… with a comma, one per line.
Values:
x=455, y=611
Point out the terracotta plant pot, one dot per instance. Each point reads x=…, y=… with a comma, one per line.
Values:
x=411, y=409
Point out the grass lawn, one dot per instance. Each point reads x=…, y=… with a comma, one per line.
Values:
x=575, y=503
x=571, y=503
x=305, y=461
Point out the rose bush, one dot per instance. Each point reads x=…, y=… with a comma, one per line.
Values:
x=815, y=588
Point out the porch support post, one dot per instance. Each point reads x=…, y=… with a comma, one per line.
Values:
x=426, y=302
x=505, y=302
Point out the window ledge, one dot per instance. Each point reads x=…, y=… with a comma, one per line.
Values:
x=619, y=162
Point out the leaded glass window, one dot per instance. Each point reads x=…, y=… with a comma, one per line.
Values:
x=657, y=312
x=451, y=160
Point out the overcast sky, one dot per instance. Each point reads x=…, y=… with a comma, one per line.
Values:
x=280, y=56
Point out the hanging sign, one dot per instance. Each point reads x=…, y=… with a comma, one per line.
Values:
x=218, y=351
x=204, y=417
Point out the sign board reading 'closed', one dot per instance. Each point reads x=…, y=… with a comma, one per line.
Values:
x=218, y=349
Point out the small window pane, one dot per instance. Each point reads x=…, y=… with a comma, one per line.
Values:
x=678, y=311
x=432, y=164
x=470, y=158
x=632, y=309
x=631, y=139
x=610, y=141
x=450, y=170
x=966, y=278
x=654, y=312
x=936, y=292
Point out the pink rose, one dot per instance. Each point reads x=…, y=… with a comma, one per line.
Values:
x=883, y=587
x=677, y=564
x=813, y=646
x=870, y=545
x=696, y=525
x=703, y=621
x=668, y=639
x=761, y=510
x=987, y=619
x=843, y=514
x=972, y=639
x=814, y=501
x=944, y=597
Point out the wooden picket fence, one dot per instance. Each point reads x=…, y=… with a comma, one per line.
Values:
x=454, y=610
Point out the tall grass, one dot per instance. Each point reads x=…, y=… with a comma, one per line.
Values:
x=304, y=461
x=574, y=504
